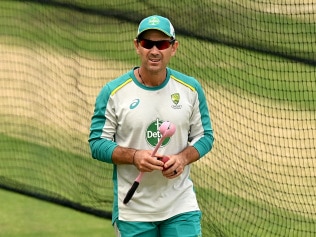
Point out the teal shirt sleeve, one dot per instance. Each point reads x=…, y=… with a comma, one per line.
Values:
x=205, y=143
x=101, y=148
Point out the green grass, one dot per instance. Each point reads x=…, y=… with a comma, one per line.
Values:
x=224, y=212
x=53, y=170
x=245, y=26
x=261, y=75
x=242, y=217
x=23, y=216
x=65, y=31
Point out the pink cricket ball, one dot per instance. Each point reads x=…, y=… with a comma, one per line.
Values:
x=164, y=159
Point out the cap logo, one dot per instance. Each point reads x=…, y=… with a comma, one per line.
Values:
x=153, y=21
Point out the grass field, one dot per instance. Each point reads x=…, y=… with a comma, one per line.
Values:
x=23, y=216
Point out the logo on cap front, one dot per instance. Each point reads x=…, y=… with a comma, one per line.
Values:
x=153, y=21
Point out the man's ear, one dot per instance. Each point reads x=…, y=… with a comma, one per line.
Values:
x=174, y=48
x=136, y=45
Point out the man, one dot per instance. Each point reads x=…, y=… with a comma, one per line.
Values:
x=124, y=132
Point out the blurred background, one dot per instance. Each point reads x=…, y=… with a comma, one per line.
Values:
x=255, y=60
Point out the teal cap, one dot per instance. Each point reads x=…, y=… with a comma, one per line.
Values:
x=156, y=22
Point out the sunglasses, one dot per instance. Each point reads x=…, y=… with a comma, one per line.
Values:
x=161, y=44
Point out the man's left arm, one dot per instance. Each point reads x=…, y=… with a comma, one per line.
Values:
x=201, y=138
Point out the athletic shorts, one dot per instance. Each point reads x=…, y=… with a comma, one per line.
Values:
x=183, y=225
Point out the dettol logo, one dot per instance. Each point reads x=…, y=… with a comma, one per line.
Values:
x=153, y=135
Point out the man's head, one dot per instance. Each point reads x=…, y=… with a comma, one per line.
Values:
x=156, y=22
x=155, y=43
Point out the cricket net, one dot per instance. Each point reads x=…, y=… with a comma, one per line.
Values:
x=255, y=59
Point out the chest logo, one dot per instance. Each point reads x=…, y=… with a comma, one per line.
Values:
x=153, y=135
x=176, y=99
x=134, y=104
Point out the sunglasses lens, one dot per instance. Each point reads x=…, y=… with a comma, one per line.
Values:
x=164, y=44
x=161, y=45
x=147, y=44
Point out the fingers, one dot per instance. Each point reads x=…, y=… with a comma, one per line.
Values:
x=173, y=168
x=172, y=173
x=146, y=163
x=164, y=159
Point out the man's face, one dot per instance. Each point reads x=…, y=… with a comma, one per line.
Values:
x=153, y=59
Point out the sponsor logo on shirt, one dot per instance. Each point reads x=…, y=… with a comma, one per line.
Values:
x=153, y=135
x=134, y=104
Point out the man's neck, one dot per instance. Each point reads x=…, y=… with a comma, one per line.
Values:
x=151, y=78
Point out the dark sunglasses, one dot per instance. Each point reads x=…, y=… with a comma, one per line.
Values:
x=161, y=44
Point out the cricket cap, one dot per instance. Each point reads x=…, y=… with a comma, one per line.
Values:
x=156, y=22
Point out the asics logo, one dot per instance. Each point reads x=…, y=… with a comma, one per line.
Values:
x=134, y=104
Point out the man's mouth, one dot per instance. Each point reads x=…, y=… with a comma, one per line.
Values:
x=154, y=60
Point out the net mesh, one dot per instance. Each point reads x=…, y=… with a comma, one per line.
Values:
x=256, y=62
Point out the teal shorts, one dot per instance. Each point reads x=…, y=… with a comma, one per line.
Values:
x=183, y=225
